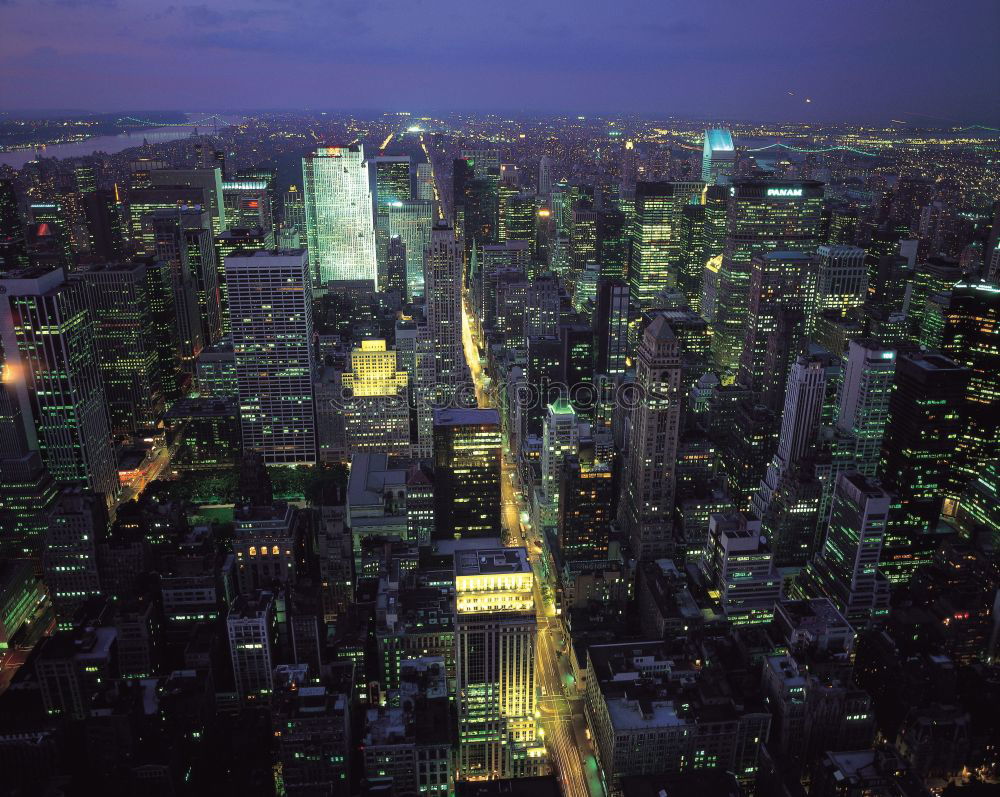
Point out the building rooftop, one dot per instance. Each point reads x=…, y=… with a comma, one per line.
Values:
x=466, y=417
x=491, y=560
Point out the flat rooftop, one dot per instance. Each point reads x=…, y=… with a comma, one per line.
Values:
x=491, y=560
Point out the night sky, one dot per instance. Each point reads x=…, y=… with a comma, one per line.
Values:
x=931, y=61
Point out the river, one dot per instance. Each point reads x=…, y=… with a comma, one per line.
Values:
x=108, y=144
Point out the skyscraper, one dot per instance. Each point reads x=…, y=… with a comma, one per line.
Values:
x=718, y=159
x=779, y=302
x=765, y=216
x=393, y=182
x=104, y=225
x=377, y=414
x=970, y=335
x=270, y=301
x=544, y=176
x=918, y=465
x=443, y=291
x=585, y=496
x=846, y=570
x=656, y=238
x=338, y=204
x=51, y=367
x=467, y=455
x=864, y=400
x=209, y=180
x=495, y=633
x=127, y=333
x=69, y=560
x=560, y=439
x=611, y=327
x=841, y=278
x=646, y=508
x=412, y=221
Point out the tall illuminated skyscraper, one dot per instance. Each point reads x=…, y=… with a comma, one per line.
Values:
x=780, y=298
x=339, y=225
x=970, y=335
x=412, y=220
x=718, y=156
x=393, y=182
x=51, y=367
x=270, y=303
x=443, y=291
x=495, y=632
x=864, y=400
x=657, y=241
x=646, y=508
x=765, y=216
x=560, y=439
x=209, y=180
x=841, y=278
x=846, y=570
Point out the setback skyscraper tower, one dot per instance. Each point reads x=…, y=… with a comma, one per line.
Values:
x=339, y=226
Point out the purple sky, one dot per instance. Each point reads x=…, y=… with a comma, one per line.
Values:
x=856, y=59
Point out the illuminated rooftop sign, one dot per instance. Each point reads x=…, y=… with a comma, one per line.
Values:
x=784, y=192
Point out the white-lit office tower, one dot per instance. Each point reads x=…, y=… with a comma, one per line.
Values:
x=544, y=176
x=841, y=278
x=495, y=627
x=846, y=568
x=788, y=497
x=424, y=188
x=51, y=371
x=270, y=303
x=647, y=506
x=718, y=159
x=412, y=221
x=800, y=418
x=443, y=298
x=560, y=439
x=339, y=227
x=209, y=180
x=864, y=400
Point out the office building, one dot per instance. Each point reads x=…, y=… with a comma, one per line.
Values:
x=208, y=180
x=252, y=632
x=340, y=231
x=718, y=160
x=376, y=409
x=411, y=220
x=128, y=336
x=443, y=292
x=777, y=313
x=841, y=279
x=270, y=302
x=739, y=564
x=646, y=507
x=864, y=400
x=846, y=570
x=767, y=216
x=105, y=230
x=918, y=463
x=51, y=370
x=495, y=630
x=611, y=327
x=467, y=457
x=656, y=238
x=78, y=520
